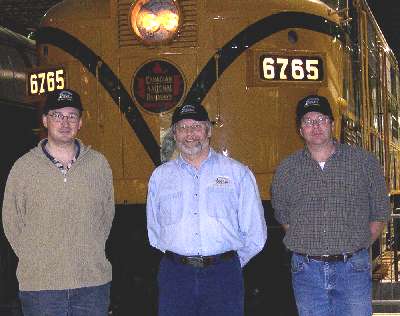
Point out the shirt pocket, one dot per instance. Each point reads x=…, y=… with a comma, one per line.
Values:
x=171, y=208
x=221, y=201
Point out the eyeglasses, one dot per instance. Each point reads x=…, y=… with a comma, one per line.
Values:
x=320, y=120
x=186, y=128
x=59, y=117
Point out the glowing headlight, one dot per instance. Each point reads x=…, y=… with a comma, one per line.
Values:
x=169, y=20
x=147, y=23
x=155, y=21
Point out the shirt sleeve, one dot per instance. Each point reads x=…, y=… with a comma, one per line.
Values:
x=279, y=199
x=153, y=227
x=109, y=203
x=13, y=211
x=378, y=195
x=253, y=228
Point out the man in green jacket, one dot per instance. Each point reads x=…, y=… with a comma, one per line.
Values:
x=57, y=213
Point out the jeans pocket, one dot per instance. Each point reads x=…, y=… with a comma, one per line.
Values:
x=359, y=262
x=297, y=263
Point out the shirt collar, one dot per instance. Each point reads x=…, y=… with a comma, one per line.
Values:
x=338, y=150
x=182, y=162
x=48, y=155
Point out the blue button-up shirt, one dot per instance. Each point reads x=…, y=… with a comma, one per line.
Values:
x=205, y=211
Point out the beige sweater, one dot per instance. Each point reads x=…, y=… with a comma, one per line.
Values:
x=58, y=225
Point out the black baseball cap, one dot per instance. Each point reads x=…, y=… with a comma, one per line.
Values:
x=195, y=112
x=313, y=103
x=62, y=98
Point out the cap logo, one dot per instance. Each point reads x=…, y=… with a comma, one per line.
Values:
x=65, y=96
x=311, y=101
x=188, y=108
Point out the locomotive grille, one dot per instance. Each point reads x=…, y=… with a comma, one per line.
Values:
x=186, y=37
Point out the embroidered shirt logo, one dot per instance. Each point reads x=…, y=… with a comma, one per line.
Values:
x=222, y=181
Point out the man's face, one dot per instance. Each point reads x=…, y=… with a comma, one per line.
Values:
x=316, y=128
x=192, y=137
x=62, y=125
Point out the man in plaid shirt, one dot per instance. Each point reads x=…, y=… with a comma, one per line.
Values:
x=332, y=201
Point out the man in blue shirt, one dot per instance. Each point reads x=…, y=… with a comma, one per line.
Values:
x=204, y=212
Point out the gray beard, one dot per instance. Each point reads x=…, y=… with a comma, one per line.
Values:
x=192, y=151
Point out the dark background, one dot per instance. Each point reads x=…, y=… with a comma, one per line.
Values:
x=387, y=14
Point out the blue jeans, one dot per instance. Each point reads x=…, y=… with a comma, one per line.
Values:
x=338, y=288
x=85, y=301
x=215, y=290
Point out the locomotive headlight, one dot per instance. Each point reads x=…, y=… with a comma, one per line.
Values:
x=147, y=23
x=169, y=20
x=155, y=21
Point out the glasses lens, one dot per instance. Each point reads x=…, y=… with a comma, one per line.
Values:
x=321, y=120
x=194, y=127
x=59, y=117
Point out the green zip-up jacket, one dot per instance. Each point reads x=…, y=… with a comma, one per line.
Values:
x=58, y=225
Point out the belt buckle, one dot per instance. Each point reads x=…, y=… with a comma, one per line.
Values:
x=196, y=261
x=342, y=257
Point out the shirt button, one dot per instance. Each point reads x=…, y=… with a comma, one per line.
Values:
x=324, y=231
x=195, y=194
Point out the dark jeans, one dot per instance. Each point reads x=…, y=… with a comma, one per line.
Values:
x=85, y=301
x=340, y=288
x=185, y=290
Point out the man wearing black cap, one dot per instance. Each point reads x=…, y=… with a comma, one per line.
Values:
x=204, y=212
x=332, y=201
x=57, y=212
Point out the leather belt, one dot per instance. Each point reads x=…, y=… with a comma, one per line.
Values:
x=200, y=261
x=330, y=258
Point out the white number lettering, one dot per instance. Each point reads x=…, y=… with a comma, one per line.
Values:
x=293, y=68
x=42, y=77
x=46, y=81
x=50, y=81
x=33, y=84
x=297, y=69
x=268, y=68
x=60, y=79
x=312, y=70
x=284, y=62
